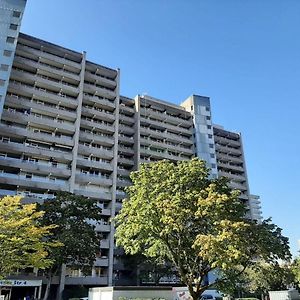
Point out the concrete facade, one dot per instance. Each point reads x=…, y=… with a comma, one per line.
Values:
x=11, y=13
x=200, y=109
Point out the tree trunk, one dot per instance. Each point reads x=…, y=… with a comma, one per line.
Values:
x=47, y=291
x=194, y=295
x=61, y=285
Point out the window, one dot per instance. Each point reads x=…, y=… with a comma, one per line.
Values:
x=16, y=14
x=2, y=82
x=212, y=155
x=211, y=145
x=207, y=108
x=192, y=107
x=10, y=39
x=213, y=166
x=13, y=26
x=208, y=118
x=3, y=67
x=208, y=126
x=210, y=136
x=7, y=53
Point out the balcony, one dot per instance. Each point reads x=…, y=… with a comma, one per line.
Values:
x=40, y=107
x=126, y=129
x=4, y=192
x=94, y=164
x=229, y=158
x=125, y=149
x=46, y=82
x=124, y=172
x=165, y=125
x=167, y=145
x=229, y=166
x=126, y=139
x=226, y=149
x=56, y=59
x=42, y=94
x=238, y=186
x=88, y=136
x=20, y=148
x=87, y=150
x=229, y=175
x=103, y=115
x=125, y=161
x=123, y=183
x=177, y=138
x=101, y=126
x=102, y=102
x=106, y=212
x=244, y=197
x=20, y=180
x=105, y=81
x=104, y=244
x=45, y=67
x=103, y=227
x=227, y=141
x=93, y=194
x=41, y=121
x=28, y=197
x=166, y=117
x=37, y=168
x=124, y=108
x=43, y=137
x=93, y=179
x=125, y=119
x=118, y=206
x=87, y=280
x=100, y=91
x=163, y=154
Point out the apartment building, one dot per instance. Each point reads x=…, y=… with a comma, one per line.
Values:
x=65, y=127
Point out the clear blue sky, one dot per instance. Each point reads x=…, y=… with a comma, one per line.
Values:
x=245, y=55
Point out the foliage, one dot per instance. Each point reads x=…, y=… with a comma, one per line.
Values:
x=23, y=240
x=262, y=277
x=175, y=210
x=75, y=292
x=150, y=269
x=296, y=270
x=265, y=277
x=81, y=242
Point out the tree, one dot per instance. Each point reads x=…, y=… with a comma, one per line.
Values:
x=23, y=240
x=264, y=277
x=75, y=217
x=175, y=210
